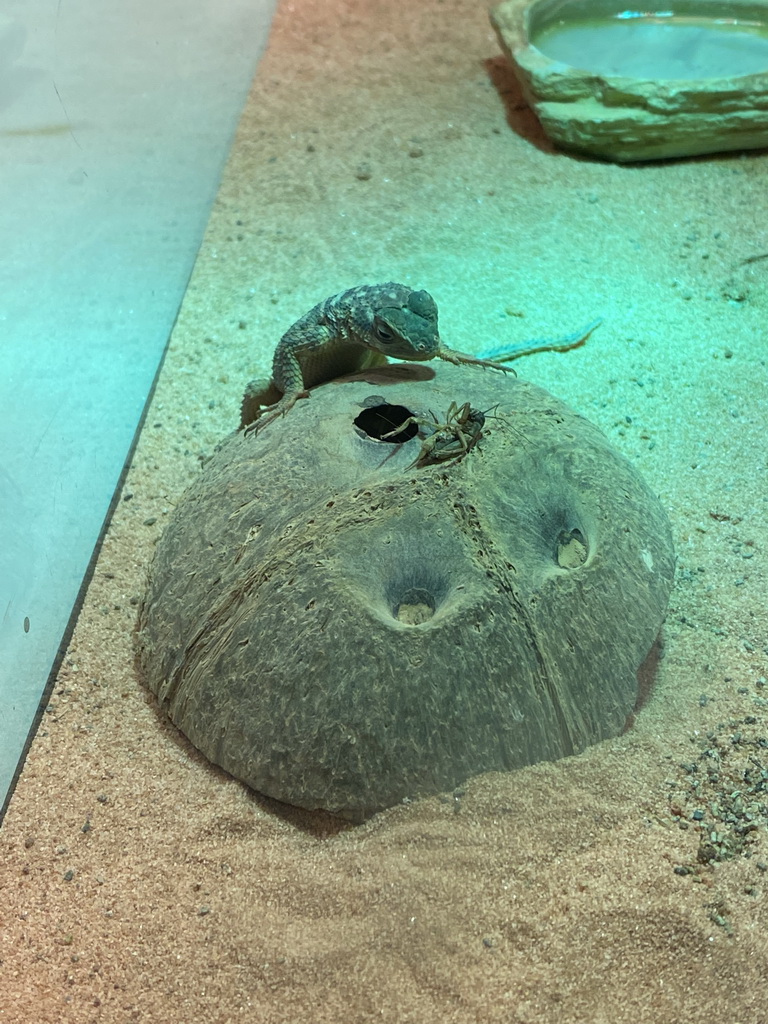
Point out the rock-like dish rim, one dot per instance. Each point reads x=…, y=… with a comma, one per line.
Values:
x=625, y=118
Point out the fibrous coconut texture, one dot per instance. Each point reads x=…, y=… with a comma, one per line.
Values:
x=344, y=620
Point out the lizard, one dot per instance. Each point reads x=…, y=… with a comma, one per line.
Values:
x=359, y=329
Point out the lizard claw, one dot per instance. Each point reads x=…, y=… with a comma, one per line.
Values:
x=272, y=412
x=457, y=358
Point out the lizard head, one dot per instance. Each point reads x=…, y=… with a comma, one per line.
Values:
x=407, y=331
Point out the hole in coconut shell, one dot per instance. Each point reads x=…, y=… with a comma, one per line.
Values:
x=415, y=606
x=572, y=549
x=379, y=420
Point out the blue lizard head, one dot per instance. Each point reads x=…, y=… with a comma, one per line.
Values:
x=408, y=330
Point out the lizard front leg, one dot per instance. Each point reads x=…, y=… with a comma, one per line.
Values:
x=288, y=384
x=258, y=396
x=280, y=408
x=457, y=358
x=255, y=414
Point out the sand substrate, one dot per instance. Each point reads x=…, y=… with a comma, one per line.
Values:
x=388, y=141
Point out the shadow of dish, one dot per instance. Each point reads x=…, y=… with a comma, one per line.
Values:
x=519, y=114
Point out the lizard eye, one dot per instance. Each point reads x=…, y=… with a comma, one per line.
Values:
x=383, y=333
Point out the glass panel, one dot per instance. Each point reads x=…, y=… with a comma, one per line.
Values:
x=115, y=122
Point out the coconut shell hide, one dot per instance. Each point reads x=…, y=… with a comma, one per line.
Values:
x=343, y=620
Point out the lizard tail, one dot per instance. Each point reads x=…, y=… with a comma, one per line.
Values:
x=506, y=353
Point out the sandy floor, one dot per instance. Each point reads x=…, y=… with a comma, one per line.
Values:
x=139, y=883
